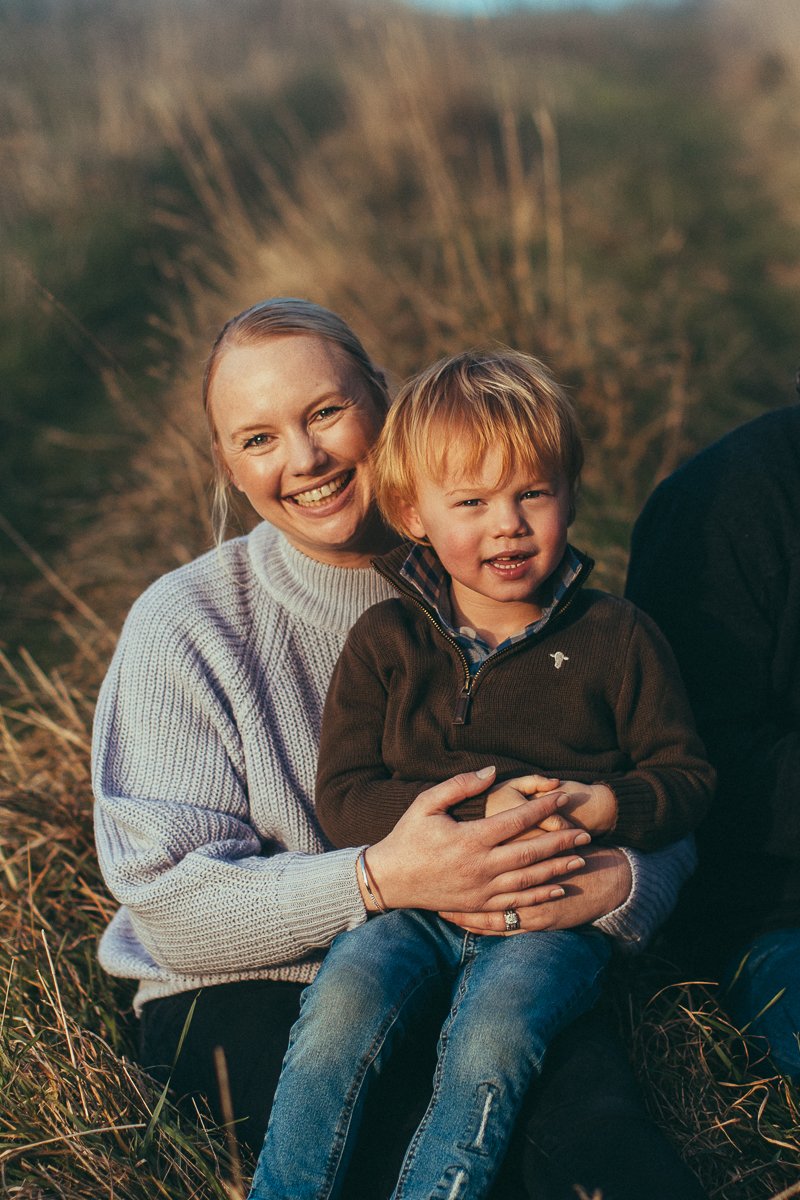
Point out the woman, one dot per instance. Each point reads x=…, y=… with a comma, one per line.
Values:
x=204, y=753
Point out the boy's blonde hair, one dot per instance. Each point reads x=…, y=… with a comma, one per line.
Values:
x=451, y=415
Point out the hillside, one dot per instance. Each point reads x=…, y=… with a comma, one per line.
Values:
x=616, y=192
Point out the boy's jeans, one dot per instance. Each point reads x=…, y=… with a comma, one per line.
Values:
x=510, y=996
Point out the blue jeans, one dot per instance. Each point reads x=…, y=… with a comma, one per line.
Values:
x=509, y=997
x=761, y=991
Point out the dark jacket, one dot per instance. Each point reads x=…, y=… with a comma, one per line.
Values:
x=594, y=696
x=716, y=561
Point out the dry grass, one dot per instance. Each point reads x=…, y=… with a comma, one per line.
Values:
x=78, y=1118
x=737, y=1122
x=442, y=206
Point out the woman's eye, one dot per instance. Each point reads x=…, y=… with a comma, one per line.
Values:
x=257, y=441
x=328, y=411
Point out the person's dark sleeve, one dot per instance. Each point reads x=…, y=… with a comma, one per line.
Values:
x=728, y=604
x=357, y=800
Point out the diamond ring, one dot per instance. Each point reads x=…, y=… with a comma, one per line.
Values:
x=512, y=920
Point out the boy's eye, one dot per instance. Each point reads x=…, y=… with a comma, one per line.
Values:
x=534, y=494
x=471, y=503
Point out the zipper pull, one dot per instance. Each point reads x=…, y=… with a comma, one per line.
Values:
x=462, y=705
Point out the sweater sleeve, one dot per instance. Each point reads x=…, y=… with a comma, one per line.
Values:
x=668, y=791
x=657, y=879
x=357, y=800
x=202, y=893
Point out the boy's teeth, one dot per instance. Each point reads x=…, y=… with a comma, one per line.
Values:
x=324, y=492
x=508, y=560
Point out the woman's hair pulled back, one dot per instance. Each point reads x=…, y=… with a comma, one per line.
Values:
x=277, y=317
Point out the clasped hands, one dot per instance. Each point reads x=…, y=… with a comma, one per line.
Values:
x=471, y=871
x=596, y=884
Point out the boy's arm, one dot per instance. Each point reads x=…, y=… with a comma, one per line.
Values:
x=357, y=800
x=669, y=787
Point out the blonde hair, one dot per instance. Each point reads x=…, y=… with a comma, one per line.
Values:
x=277, y=317
x=475, y=403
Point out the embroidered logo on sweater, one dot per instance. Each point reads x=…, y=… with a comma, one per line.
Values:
x=559, y=658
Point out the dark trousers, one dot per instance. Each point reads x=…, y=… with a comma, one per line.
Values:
x=584, y=1122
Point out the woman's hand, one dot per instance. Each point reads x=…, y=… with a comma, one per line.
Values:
x=597, y=888
x=431, y=861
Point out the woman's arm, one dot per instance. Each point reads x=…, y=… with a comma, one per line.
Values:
x=176, y=839
x=656, y=881
x=626, y=893
x=429, y=855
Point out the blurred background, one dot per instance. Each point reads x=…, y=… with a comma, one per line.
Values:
x=615, y=188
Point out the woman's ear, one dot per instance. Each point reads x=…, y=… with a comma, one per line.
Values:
x=230, y=478
x=220, y=463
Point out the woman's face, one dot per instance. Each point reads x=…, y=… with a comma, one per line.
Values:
x=294, y=423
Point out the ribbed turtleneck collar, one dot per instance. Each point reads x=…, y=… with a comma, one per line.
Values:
x=329, y=597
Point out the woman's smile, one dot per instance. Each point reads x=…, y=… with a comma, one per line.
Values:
x=316, y=497
x=295, y=423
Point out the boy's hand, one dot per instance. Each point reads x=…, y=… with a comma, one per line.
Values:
x=592, y=806
x=589, y=806
x=511, y=795
x=517, y=791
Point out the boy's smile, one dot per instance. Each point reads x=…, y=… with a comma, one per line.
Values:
x=499, y=540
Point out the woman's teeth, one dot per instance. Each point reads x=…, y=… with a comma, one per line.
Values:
x=324, y=492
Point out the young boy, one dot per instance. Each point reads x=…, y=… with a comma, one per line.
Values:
x=495, y=653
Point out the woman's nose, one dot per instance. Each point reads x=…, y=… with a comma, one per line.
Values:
x=306, y=455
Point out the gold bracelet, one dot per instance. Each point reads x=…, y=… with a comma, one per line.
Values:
x=362, y=863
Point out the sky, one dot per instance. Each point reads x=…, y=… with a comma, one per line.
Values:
x=486, y=6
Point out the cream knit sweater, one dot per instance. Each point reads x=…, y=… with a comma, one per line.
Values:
x=204, y=757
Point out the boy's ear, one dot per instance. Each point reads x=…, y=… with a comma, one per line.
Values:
x=411, y=521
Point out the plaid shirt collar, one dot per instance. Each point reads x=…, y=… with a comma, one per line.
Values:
x=423, y=570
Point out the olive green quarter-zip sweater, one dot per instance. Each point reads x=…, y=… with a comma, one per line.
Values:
x=594, y=696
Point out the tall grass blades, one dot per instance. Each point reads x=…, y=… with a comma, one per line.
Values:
x=617, y=193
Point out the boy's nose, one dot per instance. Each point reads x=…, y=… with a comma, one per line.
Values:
x=510, y=520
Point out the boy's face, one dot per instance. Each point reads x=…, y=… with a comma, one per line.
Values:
x=498, y=542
